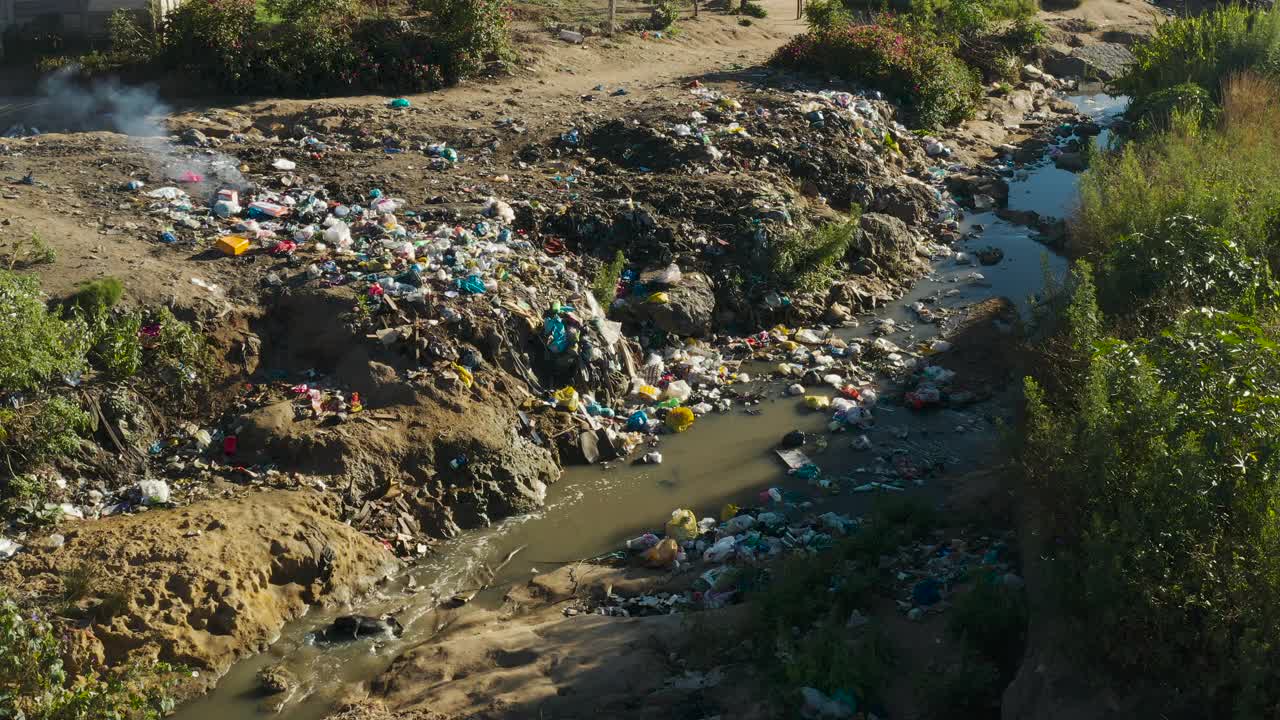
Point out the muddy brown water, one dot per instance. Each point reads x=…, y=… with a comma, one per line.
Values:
x=724, y=458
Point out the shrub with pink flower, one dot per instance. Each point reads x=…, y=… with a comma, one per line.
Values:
x=914, y=69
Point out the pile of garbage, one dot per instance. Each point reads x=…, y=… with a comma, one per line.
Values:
x=731, y=549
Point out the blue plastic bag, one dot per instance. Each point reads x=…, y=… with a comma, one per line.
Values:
x=638, y=421
x=555, y=334
x=472, y=284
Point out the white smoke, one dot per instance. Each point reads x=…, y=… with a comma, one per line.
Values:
x=65, y=103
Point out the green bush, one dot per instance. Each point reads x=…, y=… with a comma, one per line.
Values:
x=34, y=685
x=800, y=608
x=23, y=498
x=806, y=260
x=967, y=690
x=753, y=9
x=1184, y=262
x=914, y=69
x=1227, y=176
x=1162, y=109
x=308, y=10
x=35, y=345
x=28, y=251
x=117, y=347
x=41, y=430
x=991, y=620
x=319, y=47
x=824, y=15
x=213, y=39
x=665, y=14
x=97, y=295
x=473, y=31
x=1159, y=465
x=1203, y=50
x=132, y=36
x=604, y=285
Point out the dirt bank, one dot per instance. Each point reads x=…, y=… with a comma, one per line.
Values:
x=530, y=660
x=199, y=586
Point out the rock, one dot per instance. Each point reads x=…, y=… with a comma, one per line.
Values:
x=1067, y=66
x=276, y=679
x=990, y=255
x=865, y=266
x=969, y=185
x=1053, y=233
x=1018, y=217
x=1031, y=72
x=689, y=311
x=1088, y=129
x=882, y=238
x=1070, y=161
x=908, y=199
x=191, y=136
x=837, y=314
x=1030, y=151
x=354, y=627
x=82, y=651
x=1106, y=61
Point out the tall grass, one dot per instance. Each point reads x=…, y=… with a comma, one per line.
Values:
x=1204, y=49
x=1226, y=174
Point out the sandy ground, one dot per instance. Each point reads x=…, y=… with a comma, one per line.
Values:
x=200, y=586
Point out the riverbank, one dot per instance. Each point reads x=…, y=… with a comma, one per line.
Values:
x=630, y=181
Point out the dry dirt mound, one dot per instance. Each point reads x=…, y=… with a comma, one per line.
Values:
x=534, y=661
x=202, y=586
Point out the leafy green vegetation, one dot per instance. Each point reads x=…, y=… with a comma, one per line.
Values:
x=43, y=353
x=25, y=252
x=665, y=14
x=801, y=611
x=922, y=74
x=1152, y=426
x=806, y=260
x=991, y=620
x=930, y=60
x=34, y=685
x=604, y=284
x=753, y=9
x=1204, y=50
x=97, y=294
x=35, y=345
x=317, y=47
x=1190, y=211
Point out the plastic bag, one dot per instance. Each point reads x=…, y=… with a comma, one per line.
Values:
x=662, y=555
x=728, y=512
x=567, y=398
x=680, y=419
x=722, y=550
x=648, y=392
x=658, y=298
x=682, y=526
x=677, y=389
x=817, y=402
x=670, y=275
x=554, y=332
x=465, y=375
x=638, y=421
x=473, y=284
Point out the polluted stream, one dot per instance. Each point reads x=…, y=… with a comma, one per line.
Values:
x=724, y=458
